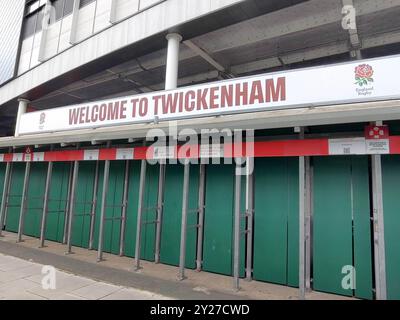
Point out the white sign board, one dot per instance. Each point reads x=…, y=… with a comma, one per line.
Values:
x=360, y=81
x=18, y=157
x=211, y=151
x=378, y=146
x=347, y=146
x=1, y=157
x=160, y=153
x=125, y=154
x=38, y=156
x=91, y=155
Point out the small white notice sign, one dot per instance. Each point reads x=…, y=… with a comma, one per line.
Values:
x=18, y=157
x=1, y=157
x=347, y=146
x=164, y=152
x=378, y=146
x=91, y=155
x=211, y=151
x=125, y=154
x=38, y=156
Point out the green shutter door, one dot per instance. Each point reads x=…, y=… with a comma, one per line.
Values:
x=391, y=213
x=114, y=196
x=57, y=201
x=172, y=215
x=341, y=224
x=83, y=203
x=35, y=195
x=219, y=220
x=276, y=222
x=14, y=198
x=149, y=213
x=131, y=211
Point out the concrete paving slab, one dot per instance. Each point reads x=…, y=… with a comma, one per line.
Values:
x=96, y=291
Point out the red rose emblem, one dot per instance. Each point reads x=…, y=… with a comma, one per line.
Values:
x=364, y=74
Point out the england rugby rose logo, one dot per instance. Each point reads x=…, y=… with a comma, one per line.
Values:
x=364, y=74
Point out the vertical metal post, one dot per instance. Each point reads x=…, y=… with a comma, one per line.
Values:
x=236, y=254
x=185, y=202
x=140, y=213
x=302, y=194
x=72, y=206
x=308, y=213
x=68, y=203
x=379, y=232
x=199, y=254
x=160, y=207
x=23, y=202
x=4, y=198
x=103, y=209
x=94, y=205
x=45, y=203
x=124, y=208
x=249, y=215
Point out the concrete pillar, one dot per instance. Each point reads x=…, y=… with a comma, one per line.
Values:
x=171, y=75
x=22, y=106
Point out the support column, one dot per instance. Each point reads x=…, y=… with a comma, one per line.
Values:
x=185, y=203
x=74, y=24
x=140, y=213
x=124, y=207
x=379, y=232
x=236, y=254
x=308, y=214
x=94, y=205
x=103, y=209
x=171, y=76
x=22, y=106
x=45, y=204
x=23, y=202
x=160, y=208
x=199, y=254
x=249, y=216
x=4, y=198
x=302, y=247
x=68, y=203
x=72, y=206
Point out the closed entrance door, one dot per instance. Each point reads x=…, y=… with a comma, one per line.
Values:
x=341, y=226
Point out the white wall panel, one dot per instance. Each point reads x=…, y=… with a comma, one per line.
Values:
x=125, y=8
x=102, y=19
x=65, y=32
x=85, y=21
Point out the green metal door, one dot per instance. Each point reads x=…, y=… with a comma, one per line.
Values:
x=132, y=207
x=35, y=196
x=14, y=197
x=276, y=220
x=83, y=204
x=341, y=225
x=391, y=213
x=57, y=201
x=113, y=212
x=219, y=220
x=172, y=215
x=149, y=211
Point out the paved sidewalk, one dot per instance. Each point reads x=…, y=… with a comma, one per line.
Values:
x=22, y=280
